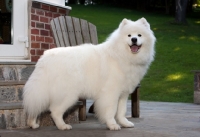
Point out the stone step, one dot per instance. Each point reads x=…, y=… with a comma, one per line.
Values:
x=11, y=93
x=11, y=83
x=18, y=105
x=13, y=77
x=15, y=72
x=10, y=105
x=12, y=116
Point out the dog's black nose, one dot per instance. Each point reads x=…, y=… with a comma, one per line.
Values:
x=134, y=40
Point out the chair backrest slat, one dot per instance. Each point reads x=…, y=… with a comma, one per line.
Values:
x=93, y=33
x=70, y=28
x=71, y=31
x=77, y=30
x=54, y=30
x=64, y=31
x=85, y=31
x=59, y=32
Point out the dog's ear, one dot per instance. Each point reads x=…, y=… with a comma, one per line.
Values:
x=144, y=22
x=123, y=23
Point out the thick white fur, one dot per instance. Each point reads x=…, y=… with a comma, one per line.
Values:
x=106, y=73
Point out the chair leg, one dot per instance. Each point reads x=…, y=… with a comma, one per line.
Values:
x=91, y=109
x=82, y=110
x=135, y=104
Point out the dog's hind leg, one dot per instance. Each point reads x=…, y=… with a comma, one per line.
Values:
x=58, y=110
x=105, y=109
x=121, y=112
x=32, y=122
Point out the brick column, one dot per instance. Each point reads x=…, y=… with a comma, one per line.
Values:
x=40, y=36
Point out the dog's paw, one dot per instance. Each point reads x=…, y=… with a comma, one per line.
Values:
x=114, y=127
x=65, y=127
x=127, y=124
x=34, y=126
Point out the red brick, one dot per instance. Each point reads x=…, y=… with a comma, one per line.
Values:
x=62, y=11
x=32, y=51
x=32, y=10
x=34, y=58
x=35, y=45
x=52, y=46
x=34, y=17
x=45, y=7
x=53, y=9
x=56, y=15
x=32, y=38
x=39, y=39
x=44, y=32
x=35, y=31
x=44, y=19
x=39, y=12
x=39, y=51
x=39, y=25
x=36, y=5
x=44, y=46
x=49, y=39
x=47, y=26
x=32, y=24
x=48, y=14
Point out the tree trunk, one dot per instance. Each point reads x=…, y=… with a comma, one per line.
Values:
x=141, y=5
x=181, y=6
x=167, y=7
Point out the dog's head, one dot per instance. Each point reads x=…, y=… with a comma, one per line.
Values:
x=137, y=34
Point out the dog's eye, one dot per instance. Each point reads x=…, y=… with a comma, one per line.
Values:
x=129, y=35
x=139, y=35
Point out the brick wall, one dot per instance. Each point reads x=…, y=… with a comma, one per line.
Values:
x=40, y=35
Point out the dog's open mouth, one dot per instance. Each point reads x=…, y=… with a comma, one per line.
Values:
x=135, y=48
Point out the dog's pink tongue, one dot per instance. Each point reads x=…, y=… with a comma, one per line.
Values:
x=134, y=48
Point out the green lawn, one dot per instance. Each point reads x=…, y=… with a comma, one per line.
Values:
x=177, y=50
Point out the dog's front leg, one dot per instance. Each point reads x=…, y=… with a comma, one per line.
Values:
x=121, y=112
x=106, y=108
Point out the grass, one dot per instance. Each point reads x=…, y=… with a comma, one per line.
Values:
x=177, y=50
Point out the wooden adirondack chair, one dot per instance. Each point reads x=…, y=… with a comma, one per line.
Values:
x=71, y=31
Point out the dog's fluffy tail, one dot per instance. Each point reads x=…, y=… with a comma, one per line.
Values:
x=35, y=95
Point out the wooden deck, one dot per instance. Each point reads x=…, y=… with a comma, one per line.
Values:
x=164, y=118
x=157, y=119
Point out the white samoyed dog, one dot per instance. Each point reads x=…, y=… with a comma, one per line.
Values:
x=106, y=73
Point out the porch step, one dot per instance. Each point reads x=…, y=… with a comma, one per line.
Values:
x=15, y=72
x=12, y=116
x=10, y=105
x=11, y=93
x=11, y=83
x=18, y=105
x=13, y=77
